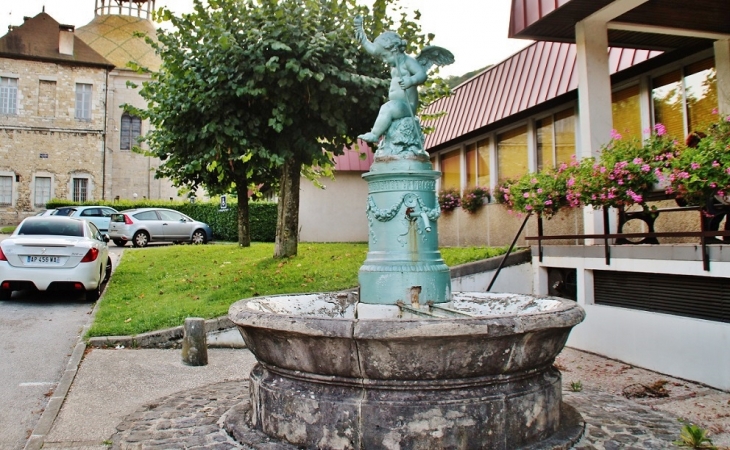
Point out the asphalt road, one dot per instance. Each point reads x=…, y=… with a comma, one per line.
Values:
x=37, y=335
x=38, y=332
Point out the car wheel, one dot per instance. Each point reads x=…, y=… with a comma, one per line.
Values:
x=141, y=239
x=94, y=294
x=120, y=242
x=5, y=294
x=108, y=270
x=199, y=237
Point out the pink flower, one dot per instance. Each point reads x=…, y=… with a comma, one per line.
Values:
x=526, y=195
x=695, y=166
x=660, y=129
x=528, y=207
x=539, y=190
x=638, y=160
x=615, y=135
x=548, y=202
x=571, y=181
x=646, y=168
x=715, y=164
x=714, y=111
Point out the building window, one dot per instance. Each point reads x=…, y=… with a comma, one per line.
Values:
x=83, y=101
x=512, y=154
x=6, y=190
x=684, y=99
x=8, y=95
x=477, y=164
x=42, y=191
x=131, y=130
x=626, y=112
x=80, y=189
x=451, y=170
x=555, y=139
x=700, y=86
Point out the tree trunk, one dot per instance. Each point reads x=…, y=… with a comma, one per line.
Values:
x=287, y=221
x=244, y=230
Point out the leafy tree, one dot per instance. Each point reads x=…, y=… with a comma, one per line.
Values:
x=254, y=91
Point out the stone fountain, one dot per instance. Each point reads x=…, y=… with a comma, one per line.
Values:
x=404, y=363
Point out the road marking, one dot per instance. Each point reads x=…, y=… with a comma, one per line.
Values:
x=36, y=383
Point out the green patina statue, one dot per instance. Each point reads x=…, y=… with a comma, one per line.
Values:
x=407, y=74
x=403, y=265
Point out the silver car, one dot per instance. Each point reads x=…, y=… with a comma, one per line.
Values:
x=54, y=253
x=144, y=225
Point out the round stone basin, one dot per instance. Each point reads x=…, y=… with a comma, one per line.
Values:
x=332, y=334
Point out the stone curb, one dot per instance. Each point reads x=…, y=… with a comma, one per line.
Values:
x=485, y=265
x=168, y=338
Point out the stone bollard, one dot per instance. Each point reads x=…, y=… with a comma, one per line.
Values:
x=194, y=345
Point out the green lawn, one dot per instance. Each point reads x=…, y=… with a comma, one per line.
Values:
x=158, y=287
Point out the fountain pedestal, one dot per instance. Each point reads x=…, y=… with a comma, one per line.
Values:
x=402, y=211
x=327, y=379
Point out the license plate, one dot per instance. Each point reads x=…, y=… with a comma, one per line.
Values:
x=42, y=260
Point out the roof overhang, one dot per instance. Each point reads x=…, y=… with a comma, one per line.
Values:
x=648, y=24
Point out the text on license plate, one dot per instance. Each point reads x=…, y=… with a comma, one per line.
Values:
x=43, y=259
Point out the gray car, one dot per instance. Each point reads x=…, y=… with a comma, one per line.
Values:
x=144, y=225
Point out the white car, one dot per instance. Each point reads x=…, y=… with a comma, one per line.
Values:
x=98, y=215
x=50, y=253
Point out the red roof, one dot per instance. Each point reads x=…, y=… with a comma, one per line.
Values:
x=351, y=160
x=540, y=72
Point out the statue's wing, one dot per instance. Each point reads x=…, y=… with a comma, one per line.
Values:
x=435, y=55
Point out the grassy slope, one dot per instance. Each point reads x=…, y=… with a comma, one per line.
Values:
x=158, y=287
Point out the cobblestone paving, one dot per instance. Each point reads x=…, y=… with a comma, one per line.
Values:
x=193, y=420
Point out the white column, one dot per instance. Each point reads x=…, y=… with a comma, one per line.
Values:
x=594, y=101
x=722, y=66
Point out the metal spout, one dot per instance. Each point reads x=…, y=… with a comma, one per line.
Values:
x=426, y=222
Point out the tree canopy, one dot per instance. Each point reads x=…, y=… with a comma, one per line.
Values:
x=250, y=91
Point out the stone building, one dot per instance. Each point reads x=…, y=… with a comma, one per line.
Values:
x=52, y=117
x=63, y=132
x=112, y=34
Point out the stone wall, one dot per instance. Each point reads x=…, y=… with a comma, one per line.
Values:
x=44, y=139
x=129, y=172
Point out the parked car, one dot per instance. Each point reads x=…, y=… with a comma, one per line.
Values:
x=50, y=253
x=144, y=225
x=98, y=215
x=47, y=212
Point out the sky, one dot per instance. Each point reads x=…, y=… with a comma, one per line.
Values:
x=475, y=31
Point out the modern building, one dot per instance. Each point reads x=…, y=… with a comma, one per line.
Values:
x=599, y=65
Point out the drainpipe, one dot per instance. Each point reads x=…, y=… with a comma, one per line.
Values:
x=103, y=140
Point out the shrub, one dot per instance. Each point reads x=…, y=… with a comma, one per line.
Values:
x=702, y=170
x=474, y=198
x=449, y=199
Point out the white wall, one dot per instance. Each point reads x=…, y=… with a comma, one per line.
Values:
x=334, y=214
x=687, y=348
x=514, y=279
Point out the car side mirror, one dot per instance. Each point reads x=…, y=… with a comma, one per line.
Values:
x=107, y=238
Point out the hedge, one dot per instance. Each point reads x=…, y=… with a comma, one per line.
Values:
x=262, y=215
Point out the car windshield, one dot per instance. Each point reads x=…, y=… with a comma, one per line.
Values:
x=56, y=228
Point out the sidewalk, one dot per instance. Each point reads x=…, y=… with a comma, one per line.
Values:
x=147, y=398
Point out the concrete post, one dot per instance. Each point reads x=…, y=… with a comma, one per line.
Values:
x=194, y=345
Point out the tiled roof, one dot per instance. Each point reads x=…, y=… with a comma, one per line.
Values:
x=38, y=38
x=113, y=37
x=540, y=72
